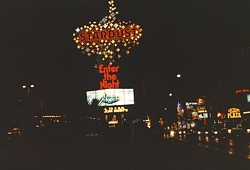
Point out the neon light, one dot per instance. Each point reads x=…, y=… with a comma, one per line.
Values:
x=109, y=80
x=234, y=113
x=115, y=110
x=242, y=91
x=108, y=38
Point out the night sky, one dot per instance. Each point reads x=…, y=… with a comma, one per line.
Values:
x=207, y=41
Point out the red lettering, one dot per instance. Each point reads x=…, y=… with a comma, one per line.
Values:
x=101, y=68
x=109, y=80
x=113, y=84
x=109, y=34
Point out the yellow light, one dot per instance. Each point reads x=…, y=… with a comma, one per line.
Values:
x=108, y=24
x=231, y=142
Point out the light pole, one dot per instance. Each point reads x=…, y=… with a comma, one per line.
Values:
x=28, y=106
x=178, y=75
x=28, y=87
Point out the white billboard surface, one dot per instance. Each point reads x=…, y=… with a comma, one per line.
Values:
x=203, y=115
x=111, y=97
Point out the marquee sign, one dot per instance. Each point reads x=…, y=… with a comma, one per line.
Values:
x=120, y=109
x=108, y=38
x=111, y=97
x=233, y=113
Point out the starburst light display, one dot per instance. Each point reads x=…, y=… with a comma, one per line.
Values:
x=109, y=38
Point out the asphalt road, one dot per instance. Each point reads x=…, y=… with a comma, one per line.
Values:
x=110, y=153
x=229, y=144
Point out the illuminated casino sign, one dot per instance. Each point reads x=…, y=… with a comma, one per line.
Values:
x=109, y=38
x=191, y=103
x=111, y=97
x=115, y=109
x=200, y=101
x=109, y=77
x=242, y=91
x=233, y=113
x=86, y=36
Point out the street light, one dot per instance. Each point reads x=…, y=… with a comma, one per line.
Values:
x=178, y=75
x=28, y=87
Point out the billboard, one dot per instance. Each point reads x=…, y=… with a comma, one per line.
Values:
x=111, y=97
x=203, y=115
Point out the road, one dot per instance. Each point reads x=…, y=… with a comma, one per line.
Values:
x=114, y=152
x=229, y=144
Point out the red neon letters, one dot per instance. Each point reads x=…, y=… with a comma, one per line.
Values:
x=109, y=80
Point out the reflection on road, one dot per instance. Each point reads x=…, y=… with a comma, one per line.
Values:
x=232, y=145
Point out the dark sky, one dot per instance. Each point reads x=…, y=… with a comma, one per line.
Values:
x=206, y=40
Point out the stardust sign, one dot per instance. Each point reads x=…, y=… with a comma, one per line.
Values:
x=109, y=38
x=107, y=34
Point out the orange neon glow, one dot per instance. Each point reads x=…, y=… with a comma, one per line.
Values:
x=242, y=91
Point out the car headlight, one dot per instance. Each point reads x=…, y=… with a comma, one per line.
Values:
x=198, y=132
x=180, y=132
x=248, y=130
x=216, y=132
x=229, y=130
x=206, y=132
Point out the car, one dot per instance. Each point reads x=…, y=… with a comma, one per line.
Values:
x=247, y=130
x=169, y=134
x=235, y=131
x=14, y=134
x=202, y=131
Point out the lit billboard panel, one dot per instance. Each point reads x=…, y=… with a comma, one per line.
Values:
x=111, y=97
x=203, y=115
